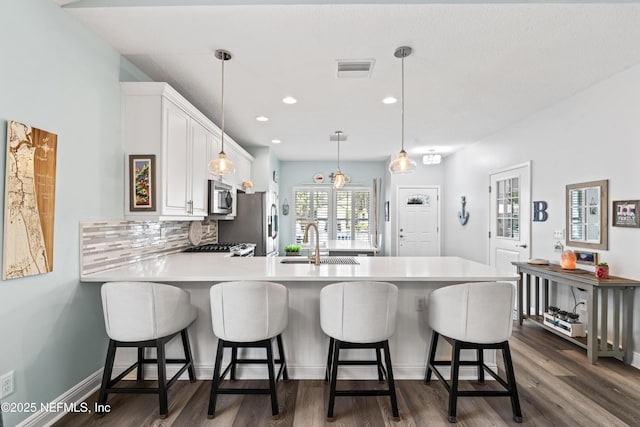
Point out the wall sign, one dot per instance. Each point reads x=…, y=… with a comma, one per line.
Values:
x=540, y=211
x=30, y=194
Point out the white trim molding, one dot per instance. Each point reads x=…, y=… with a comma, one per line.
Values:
x=71, y=398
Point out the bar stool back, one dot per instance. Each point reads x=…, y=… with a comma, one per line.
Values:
x=248, y=314
x=359, y=315
x=473, y=316
x=145, y=314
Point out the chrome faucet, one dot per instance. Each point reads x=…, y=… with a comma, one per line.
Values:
x=315, y=257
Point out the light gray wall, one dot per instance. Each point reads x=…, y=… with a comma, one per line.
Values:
x=301, y=173
x=591, y=136
x=57, y=76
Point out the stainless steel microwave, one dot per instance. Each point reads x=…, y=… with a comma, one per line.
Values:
x=220, y=198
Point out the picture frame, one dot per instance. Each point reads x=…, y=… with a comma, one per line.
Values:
x=625, y=213
x=386, y=211
x=142, y=182
x=587, y=258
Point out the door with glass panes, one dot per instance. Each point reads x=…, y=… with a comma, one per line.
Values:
x=509, y=235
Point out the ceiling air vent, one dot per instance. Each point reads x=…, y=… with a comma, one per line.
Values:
x=354, y=68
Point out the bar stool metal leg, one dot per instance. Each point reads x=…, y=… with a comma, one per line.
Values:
x=432, y=356
x=390, y=381
x=162, y=380
x=188, y=355
x=285, y=373
x=334, y=377
x=511, y=380
x=329, y=359
x=272, y=380
x=106, y=375
x=455, y=371
x=216, y=380
x=140, y=369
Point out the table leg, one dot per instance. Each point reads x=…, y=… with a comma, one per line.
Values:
x=627, y=325
x=592, y=327
x=520, y=313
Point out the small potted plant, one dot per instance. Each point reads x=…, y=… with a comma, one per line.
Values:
x=292, y=250
x=602, y=270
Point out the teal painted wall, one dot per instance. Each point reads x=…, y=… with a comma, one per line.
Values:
x=301, y=173
x=58, y=76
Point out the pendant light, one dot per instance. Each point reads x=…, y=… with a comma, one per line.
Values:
x=222, y=165
x=402, y=163
x=338, y=177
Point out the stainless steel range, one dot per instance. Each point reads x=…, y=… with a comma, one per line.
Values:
x=234, y=249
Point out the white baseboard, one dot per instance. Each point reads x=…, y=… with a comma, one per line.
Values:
x=74, y=396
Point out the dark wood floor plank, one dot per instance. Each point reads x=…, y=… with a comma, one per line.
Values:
x=556, y=383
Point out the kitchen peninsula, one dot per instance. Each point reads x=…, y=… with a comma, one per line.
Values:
x=304, y=342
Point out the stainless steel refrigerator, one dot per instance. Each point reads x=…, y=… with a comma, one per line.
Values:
x=256, y=222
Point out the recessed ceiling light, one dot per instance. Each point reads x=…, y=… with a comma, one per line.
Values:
x=389, y=100
x=276, y=141
x=262, y=119
x=289, y=100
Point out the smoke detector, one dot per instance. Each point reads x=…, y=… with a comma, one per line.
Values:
x=354, y=68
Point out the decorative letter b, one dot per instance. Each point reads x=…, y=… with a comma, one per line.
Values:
x=540, y=211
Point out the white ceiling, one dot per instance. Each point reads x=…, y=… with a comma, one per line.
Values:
x=475, y=68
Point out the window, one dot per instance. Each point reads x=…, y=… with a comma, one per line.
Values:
x=508, y=200
x=341, y=214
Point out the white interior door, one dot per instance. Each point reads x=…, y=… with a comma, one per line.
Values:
x=510, y=230
x=418, y=221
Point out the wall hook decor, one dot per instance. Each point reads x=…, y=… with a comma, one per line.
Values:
x=463, y=216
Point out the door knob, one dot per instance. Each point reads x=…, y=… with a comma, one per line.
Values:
x=522, y=246
x=401, y=236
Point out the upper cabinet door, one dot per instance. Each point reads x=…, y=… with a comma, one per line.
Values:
x=200, y=139
x=176, y=164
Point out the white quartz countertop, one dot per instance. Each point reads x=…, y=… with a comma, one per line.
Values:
x=203, y=267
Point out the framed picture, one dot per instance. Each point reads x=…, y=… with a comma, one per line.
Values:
x=142, y=182
x=386, y=211
x=625, y=213
x=589, y=258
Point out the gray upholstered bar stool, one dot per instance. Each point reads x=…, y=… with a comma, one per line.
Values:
x=474, y=316
x=359, y=315
x=248, y=314
x=145, y=314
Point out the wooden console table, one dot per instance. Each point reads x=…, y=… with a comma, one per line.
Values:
x=600, y=341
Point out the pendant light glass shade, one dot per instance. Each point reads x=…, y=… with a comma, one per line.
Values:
x=402, y=163
x=338, y=176
x=222, y=165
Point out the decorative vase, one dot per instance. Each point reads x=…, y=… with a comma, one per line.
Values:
x=292, y=253
x=568, y=260
x=602, y=271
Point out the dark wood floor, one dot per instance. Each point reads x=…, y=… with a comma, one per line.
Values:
x=557, y=387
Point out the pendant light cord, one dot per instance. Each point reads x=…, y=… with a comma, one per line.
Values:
x=222, y=139
x=402, y=102
x=338, y=134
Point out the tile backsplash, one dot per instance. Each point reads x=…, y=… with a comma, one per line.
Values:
x=110, y=244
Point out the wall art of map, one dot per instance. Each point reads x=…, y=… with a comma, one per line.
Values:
x=30, y=196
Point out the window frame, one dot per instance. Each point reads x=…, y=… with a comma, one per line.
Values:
x=332, y=207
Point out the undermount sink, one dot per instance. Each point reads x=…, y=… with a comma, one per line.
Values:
x=343, y=260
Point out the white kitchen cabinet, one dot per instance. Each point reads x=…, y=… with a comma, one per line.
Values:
x=159, y=121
